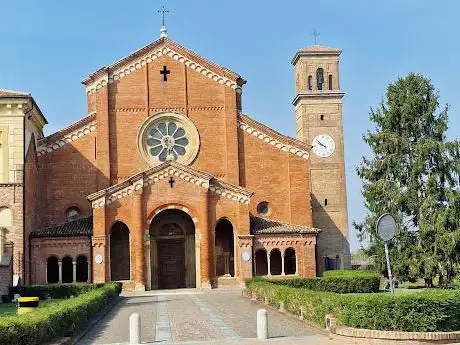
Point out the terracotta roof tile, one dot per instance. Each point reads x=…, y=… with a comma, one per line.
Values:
x=263, y=226
x=79, y=227
x=12, y=93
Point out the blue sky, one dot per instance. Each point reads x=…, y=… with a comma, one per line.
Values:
x=49, y=46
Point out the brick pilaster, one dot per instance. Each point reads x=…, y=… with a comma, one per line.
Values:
x=137, y=236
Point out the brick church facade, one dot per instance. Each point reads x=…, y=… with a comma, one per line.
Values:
x=166, y=183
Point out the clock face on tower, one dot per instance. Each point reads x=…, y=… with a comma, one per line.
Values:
x=323, y=145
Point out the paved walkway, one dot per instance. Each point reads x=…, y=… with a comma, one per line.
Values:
x=218, y=316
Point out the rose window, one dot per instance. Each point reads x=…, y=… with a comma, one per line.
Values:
x=166, y=137
x=167, y=140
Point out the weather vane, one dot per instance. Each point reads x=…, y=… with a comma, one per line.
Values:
x=315, y=34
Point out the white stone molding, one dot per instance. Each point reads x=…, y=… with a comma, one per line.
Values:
x=231, y=192
x=165, y=171
x=67, y=138
x=118, y=73
x=270, y=140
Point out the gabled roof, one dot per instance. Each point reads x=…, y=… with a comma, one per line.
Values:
x=274, y=138
x=8, y=94
x=165, y=170
x=68, y=134
x=152, y=51
x=11, y=93
x=78, y=227
x=263, y=226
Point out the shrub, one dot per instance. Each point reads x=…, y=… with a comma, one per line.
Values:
x=425, y=311
x=55, y=290
x=58, y=319
x=339, y=282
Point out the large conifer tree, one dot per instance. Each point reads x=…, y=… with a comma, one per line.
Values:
x=414, y=175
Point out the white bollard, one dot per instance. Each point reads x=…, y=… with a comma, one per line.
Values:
x=262, y=324
x=134, y=329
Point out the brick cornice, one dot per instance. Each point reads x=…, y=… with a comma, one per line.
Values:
x=153, y=51
x=271, y=137
x=71, y=133
x=165, y=170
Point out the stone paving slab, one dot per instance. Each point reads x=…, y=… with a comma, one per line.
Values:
x=191, y=316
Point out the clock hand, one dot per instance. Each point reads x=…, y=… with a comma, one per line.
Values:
x=319, y=142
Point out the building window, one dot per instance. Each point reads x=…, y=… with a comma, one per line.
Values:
x=167, y=140
x=319, y=78
x=263, y=208
x=310, y=82
x=322, y=117
x=72, y=213
x=330, y=82
x=325, y=202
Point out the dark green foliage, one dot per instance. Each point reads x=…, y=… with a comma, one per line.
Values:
x=413, y=173
x=57, y=319
x=426, y=311
x=337, y=281
x=55, y=290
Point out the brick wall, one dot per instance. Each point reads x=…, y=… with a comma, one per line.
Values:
x=32, y=201
x=69, y=174
x=6, y=272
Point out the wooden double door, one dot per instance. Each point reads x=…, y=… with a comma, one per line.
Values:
x=171, y=263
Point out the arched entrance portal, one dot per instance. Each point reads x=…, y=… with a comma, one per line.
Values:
x=225, y=265
x=172, y=253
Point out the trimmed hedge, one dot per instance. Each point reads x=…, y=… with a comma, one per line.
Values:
x=425, y=311
x=57, y=319
x=339, y=282
x=55, y=290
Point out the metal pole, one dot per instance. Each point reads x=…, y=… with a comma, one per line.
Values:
x=390, y=276
x=262, y=324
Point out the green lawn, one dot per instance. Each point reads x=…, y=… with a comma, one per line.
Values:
x=7, y=309
x=11, y=308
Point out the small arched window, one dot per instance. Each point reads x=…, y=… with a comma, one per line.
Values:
x=330, y=82
x=310, y=82
x=72, y=213
x=319, y=78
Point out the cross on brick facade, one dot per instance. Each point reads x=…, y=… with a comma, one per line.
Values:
x=171, y=182
x=165, y=71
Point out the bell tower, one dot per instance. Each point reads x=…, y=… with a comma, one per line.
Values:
x=318, y=109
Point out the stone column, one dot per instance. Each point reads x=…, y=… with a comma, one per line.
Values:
x=255, y=263
x=46, y=272
x=74, y=271
x=282, y=263
x=89, y=272
x=60, y=271
x=137, y=242
x=269, y=273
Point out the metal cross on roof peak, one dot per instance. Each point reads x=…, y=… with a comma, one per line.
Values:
x=163, y=11
x=315, y=34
